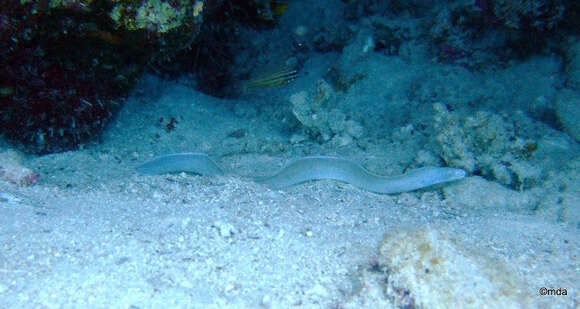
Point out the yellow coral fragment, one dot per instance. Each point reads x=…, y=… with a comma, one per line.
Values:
x=155, y=15
x=197, y=8
x=158, y=15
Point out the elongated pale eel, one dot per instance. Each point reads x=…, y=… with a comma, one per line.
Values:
x=191, y=162
x=311, y=168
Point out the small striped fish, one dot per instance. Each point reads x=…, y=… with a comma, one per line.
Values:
x=274, y=79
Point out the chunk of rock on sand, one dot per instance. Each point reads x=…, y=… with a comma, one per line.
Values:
x=438, y=272
x=13, y=171
x=426, y=268
x=480, y=195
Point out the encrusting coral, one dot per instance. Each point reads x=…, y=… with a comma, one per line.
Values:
x=486, y=143
x=317, y=112
x=67, y=66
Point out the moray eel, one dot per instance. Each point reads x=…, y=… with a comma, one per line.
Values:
x=308, y=169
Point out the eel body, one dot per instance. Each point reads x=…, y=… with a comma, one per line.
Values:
x=191, y=162
x=311, y=168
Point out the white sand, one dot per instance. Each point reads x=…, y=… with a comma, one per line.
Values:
x=94, y=234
